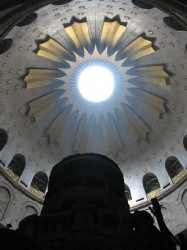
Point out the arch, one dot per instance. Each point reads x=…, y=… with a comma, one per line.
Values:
x=17, y=164
x=8, y=187
x=32, y=204
x=128, y=193
x=170, y=22
x=142, y=5
x=60, y=2
x=173, y=166
x=29, y=210
x=185, y=142
x=40, y=181
x=28, y=20
x=184, y=199
x=4, y=201
x=3, y=138
x=150, y=183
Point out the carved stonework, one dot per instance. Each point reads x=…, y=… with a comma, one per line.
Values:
x=179, y=176
x=36, y=192
x=154, y=193
x=12, y=175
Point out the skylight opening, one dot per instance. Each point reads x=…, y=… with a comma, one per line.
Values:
x=96, y=83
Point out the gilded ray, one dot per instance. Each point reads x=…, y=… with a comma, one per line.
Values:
x=98, y=144
x=111, y=33
x=42, y=77
x=44, y=105
x=152, y=80
x=91, y=130
x=149, y=102
x=138, y=48
x=115, y=143
x=149, y=71
x=106, y=139
x=150, y=74
x=79, y=34
x=136, y=127
x=58, y=129
x=53, y=51
x=83, y=142
x=111, y=139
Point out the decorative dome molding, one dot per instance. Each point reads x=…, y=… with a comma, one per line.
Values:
x=45, y=117
x=101, y=120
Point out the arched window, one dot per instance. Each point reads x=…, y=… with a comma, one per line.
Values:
x=4, y=201
x=29, y=210
x=16, y=166
x=3, y=138
x=185, y=142
x=151, y=186
x=173, y=167
x=142, y=5
x=40, y=181
x=28, y=20
x=128, y=193
x=169, y=21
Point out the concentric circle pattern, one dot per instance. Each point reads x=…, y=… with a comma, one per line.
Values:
x=139, y=126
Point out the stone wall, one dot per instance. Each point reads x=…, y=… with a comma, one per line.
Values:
x=15, y=205
x=175, y=214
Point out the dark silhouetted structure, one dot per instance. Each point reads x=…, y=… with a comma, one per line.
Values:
x=86, y=208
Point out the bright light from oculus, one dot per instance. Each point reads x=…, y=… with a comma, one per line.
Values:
x=96, y=83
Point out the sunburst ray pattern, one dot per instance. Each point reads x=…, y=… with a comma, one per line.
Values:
x=36, y=79
x=106, y=123
x=54, y=51
x=111, y=34
x=138, y=48
x=79, y=34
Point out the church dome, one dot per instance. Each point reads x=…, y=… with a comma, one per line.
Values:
x=142, y=126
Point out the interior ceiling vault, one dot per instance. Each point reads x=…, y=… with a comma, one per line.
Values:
x=139, y=127
x=92, y=119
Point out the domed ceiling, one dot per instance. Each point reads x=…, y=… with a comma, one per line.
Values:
x=140, y=126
